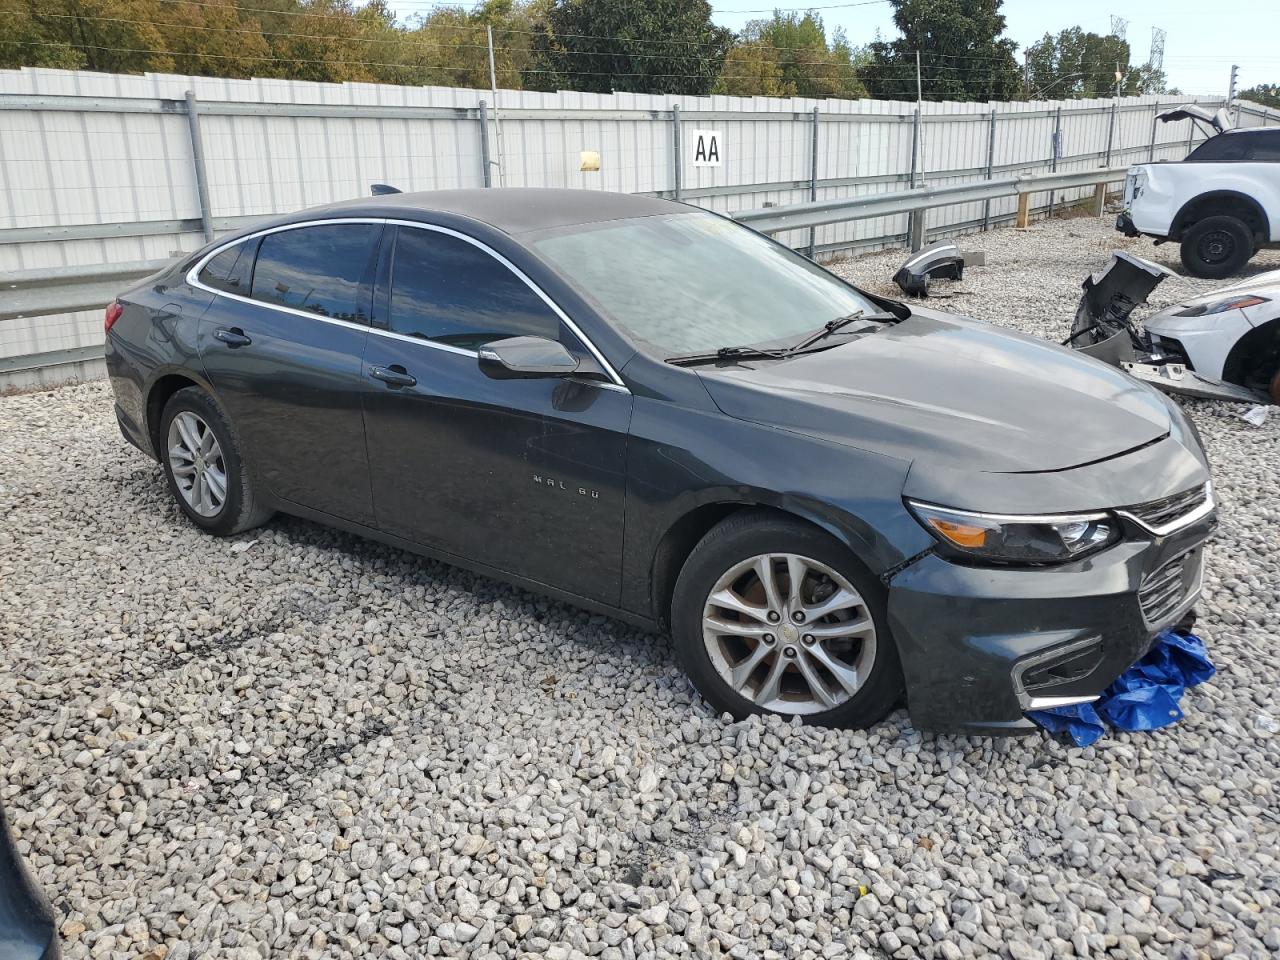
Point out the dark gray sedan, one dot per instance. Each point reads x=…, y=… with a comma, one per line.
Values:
x=830, y=499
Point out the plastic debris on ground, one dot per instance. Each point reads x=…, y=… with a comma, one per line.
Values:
x=1256, y=415
x=1144, y=697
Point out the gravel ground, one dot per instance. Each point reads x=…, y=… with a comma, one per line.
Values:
x=299, y=743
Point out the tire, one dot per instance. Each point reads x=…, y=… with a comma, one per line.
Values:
x=223, y=508
x=778, y=676
x=1217, y=247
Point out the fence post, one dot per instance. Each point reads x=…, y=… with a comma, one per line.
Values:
x=1151, y=151
x=484, y=144
x=1057, y=151
x=813, y=180
x=913, y=230
x=197, y=162
x=991, y=158
x=1111, y=129
x=675, y=146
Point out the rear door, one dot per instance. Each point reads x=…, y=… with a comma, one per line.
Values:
x=523, y=475
x=282, y=345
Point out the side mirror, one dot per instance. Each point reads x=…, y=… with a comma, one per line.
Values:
x=524, y=358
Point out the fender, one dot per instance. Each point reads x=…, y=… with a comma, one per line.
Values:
x=1222, y=198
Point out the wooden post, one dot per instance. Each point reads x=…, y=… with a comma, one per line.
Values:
x=917, y=229
x=1024, y=211
x=1099, y=199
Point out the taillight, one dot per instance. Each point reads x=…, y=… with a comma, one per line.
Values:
x=114, y=309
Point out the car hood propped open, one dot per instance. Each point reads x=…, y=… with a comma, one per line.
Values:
x=939, y=388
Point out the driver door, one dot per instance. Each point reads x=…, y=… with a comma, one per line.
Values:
x=522, y=475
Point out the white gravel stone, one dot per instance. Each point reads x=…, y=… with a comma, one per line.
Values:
x=320, y=746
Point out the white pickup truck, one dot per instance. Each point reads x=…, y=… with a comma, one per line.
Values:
x=1222, y=203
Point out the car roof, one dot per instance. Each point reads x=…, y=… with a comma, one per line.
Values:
x=512, y=210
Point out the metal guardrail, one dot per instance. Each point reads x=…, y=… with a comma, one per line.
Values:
x=819, y=213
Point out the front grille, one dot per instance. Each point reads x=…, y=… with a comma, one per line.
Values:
x=1158, y=513
x=1163, y=591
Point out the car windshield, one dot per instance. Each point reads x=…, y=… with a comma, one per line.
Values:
x=689, y=283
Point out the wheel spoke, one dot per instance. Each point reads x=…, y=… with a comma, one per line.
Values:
x=797, y=570
x=840, y=600
x=844, y=628
x=208, y=442
x=729, y=600
x=764, y=570
x=182, y=469
x=216, y=481
x=845, y=675
x=817, y=686
x=187, y=430
x=773, y=682
x=734, y=628
x=742, y=672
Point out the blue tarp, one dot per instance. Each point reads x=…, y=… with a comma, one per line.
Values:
x=1144, y=697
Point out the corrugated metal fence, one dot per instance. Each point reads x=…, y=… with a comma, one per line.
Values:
x=99, y=168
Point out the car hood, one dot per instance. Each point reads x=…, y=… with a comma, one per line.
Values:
x=941, y=388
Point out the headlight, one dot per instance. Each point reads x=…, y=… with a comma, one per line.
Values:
x=1016, y=539
x=1221, y=306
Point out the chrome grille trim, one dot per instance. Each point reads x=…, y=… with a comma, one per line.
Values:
x=1172, y=513
x=1169, y=587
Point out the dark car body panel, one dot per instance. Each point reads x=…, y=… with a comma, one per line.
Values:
x=28, y=926
x=586, y=487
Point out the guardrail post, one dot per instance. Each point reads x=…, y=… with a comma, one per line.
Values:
x=991, y=158
x=1057, y=151
x=1024, y=210
x=197, y=162
x=487, y=173
x=675, y=147
x=1099, y=199
x=813, y=181
x=1155, y=114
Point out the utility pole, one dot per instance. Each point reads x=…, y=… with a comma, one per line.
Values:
x=1231, y=91
x=497, y=125
x=920, y=114
x=1026, y=75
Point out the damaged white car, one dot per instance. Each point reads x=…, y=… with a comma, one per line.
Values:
x=1221, y=346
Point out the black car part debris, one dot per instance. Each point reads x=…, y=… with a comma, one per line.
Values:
x=28, y=928
x=938, y=261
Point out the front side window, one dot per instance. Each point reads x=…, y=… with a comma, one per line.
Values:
x=316, y=269
x=230, y=270
x=689, y=283
x=451, y=291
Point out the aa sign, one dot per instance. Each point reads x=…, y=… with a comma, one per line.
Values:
x=708, y=148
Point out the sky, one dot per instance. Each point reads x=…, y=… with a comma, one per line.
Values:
x=1198, y=53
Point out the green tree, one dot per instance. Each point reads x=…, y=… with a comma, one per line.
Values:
x=789, y=56
x=1078, y=64
x=663, y=46
x=1264, y=94
x=29, y=40
x=963, y=53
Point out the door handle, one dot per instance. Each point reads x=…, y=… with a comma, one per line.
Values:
x=232, y=336
x=393, y=376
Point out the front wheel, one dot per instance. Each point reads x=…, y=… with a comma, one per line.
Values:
x=771, y=615
x=203, y=465
x=1217, y=247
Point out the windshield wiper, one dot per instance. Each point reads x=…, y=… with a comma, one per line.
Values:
x=729, y=353
x=831, y=326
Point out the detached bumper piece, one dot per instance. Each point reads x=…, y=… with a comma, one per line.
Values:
x=28, y=928
x=1144, y=697
x=1124, y=223
x=1177, y=378
x=938, y=261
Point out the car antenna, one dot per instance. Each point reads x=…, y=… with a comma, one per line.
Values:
x=383, y=189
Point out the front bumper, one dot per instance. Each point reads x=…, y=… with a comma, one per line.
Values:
x=982, y=645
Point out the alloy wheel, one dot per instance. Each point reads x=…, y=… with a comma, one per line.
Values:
x=789, y=633
x=199, y=470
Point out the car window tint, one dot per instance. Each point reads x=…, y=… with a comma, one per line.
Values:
x=229, y=271
x=1225, y=146
x=449, y=290
x=1265, y=146
x=317, y=269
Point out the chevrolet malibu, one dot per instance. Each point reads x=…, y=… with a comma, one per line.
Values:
x=833, y=501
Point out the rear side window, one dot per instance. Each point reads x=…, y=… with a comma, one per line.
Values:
x=1265, y=146
x=230, y=270
x=451, y=291
x=1225, y=146
x=317, y=269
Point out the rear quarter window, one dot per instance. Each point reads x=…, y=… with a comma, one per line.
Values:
x=1224, y=147
x=231, y=270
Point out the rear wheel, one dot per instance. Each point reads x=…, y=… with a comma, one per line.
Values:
x=1217, y=247
x=202, y=462
x=771, y=615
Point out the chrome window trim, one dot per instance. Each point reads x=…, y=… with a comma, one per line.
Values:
x=1205, y=508
x=192, y=277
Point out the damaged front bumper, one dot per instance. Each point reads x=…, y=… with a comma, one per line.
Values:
x=972, y=665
